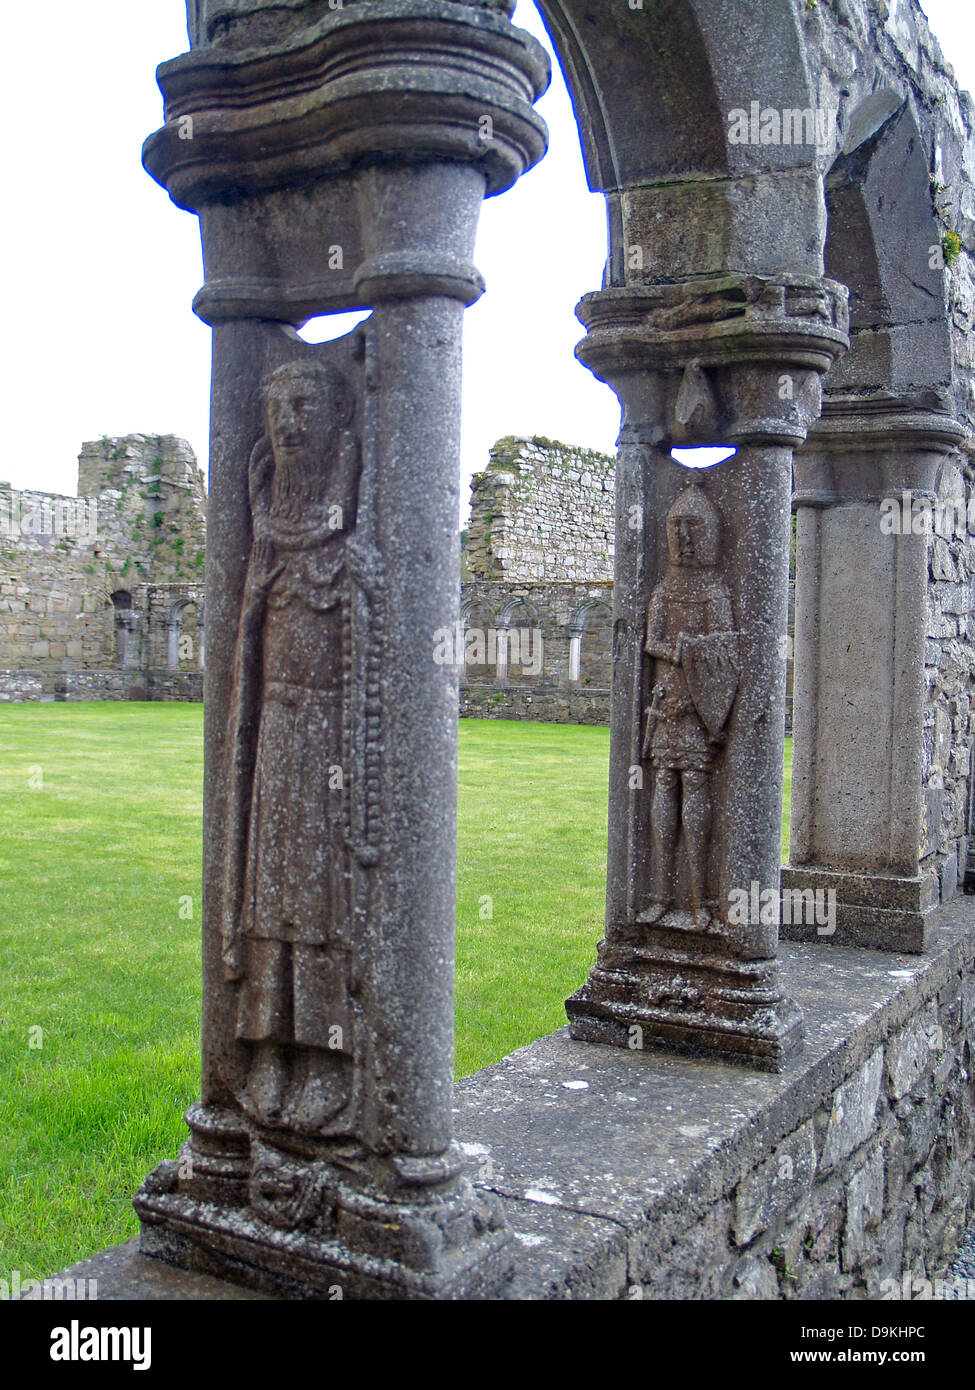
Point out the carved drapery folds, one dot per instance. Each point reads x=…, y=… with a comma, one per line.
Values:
x=701, y=596
x=337, y=158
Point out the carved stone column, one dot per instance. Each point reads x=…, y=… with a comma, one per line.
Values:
x=337, y=158
x=575, y=634
x=860, y=818
x=701, y=612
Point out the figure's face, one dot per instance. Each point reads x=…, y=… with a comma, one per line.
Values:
x=298, y=414
x=685, y=541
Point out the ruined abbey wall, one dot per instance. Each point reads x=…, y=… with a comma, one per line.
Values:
x=539, y=584
x=539, y=565
x=101, y=595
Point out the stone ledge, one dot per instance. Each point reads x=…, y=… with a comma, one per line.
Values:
x=699, y=1179
x=661, y=1145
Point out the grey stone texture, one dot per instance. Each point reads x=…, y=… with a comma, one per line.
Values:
x=543, y=512
x=101, y=595
x=638, y=1175
x=338, y=158
x=539, y=563
x=797, y=299
x=699, y=674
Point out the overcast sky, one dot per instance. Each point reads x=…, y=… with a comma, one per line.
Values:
x=101, y=268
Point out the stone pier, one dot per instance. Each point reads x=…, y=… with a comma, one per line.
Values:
x=337, y=158
x=701, y=615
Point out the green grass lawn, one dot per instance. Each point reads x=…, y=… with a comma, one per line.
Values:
x=100, y=809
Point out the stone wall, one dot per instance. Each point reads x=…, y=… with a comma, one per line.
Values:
x=543, y=512
x=101, y=590
x=539, y=563
x=838, y=1179
x=548, y=706
x=949, y=717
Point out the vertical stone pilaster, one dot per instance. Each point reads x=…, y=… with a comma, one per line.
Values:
x=575, y=654
x=863, y=482
x=321, y=1155
x=701, y=595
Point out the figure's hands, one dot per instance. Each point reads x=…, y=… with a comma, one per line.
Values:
x=264, y=566
x=679, y=648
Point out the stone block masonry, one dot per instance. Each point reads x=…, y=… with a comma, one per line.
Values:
x=631, y=1175
x=543, y=512
x=101, y=595
x=539, y=557
x=538, y=585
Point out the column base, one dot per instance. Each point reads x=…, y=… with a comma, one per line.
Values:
x=699, y=1005
x=300, y=1228
x=884, y=912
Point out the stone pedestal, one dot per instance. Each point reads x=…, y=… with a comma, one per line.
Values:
x=701, y=617
x=864, y=481
x=336, y=159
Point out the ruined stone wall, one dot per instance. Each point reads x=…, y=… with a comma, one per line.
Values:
x=92, y=586
x=908, y=67
x=543, y=512
x=539, y=562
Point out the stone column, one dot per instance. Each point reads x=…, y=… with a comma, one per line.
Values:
x=173, y=627
x=575, y=653
x=344, y=168
x=502, y=672
x=701, y=613
x=861, y=819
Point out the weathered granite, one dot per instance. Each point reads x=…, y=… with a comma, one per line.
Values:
x=336, y=157
x=641, y=1175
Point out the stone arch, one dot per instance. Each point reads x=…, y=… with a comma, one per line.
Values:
x=523, y=641
x=591, y=662
x=177, y=628
x=480, y=652
x=653, y=90
x=884, y=243
x=126, y=629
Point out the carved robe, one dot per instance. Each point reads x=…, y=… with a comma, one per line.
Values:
x=287, y=910
x=695, y=603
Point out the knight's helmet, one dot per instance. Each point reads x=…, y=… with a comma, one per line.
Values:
x=693, y=505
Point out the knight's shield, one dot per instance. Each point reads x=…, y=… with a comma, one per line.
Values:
x=712, y=669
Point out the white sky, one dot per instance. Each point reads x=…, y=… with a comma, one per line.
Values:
x=101, y=268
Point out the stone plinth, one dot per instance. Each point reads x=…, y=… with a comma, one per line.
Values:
x=626, y=1175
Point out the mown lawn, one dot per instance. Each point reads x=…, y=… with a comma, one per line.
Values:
x=100, y=809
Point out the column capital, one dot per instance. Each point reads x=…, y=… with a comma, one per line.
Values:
x=271, y=146
x=739, y=358
x=374, y=79
x=863, y=450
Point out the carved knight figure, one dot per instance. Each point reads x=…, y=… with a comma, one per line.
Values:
x=694, y=650
x=287, y=940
